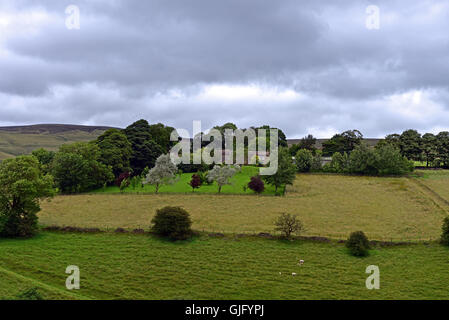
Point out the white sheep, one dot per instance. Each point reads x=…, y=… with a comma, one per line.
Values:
x=293, y=273
x=301, y=262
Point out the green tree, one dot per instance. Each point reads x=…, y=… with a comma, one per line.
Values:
x=429, y=148
x=304, y=160
x=77, y=168
x=443, y=148
x=22, y=186
x=161, y=135
x=308, y=142
x=339, y=163
x=45, y=158
x=391, y=139
x=410, y=145
x=342, y=142
x=389, y=161
x=362, y=160
x=282, y=139
x=286, y=172
x=145, y=150
x=115, y=150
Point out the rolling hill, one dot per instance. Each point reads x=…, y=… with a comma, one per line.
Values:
x=18, y=140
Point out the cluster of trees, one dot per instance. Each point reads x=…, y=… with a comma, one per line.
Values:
x=114, y=156
x=393, y=155
x=430, y=148
x=384, y=160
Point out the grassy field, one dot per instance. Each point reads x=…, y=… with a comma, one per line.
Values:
x=140, y=267
x=437, y=180
x=240, y=180
x=329, y=205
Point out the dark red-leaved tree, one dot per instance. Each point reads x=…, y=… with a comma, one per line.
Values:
x=121, y=177
x=256, y=184
x=195, y=182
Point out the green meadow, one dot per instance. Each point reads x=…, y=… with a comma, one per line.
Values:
x=129, y=266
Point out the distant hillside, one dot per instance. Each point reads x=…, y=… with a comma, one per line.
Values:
x=18, y=140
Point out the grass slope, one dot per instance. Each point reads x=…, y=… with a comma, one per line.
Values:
x=329, y=205
x=140, y=267
x=16, y=141
x=437, y=180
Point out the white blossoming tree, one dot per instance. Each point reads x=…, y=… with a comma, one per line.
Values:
x=222, y=174
x=164, y=172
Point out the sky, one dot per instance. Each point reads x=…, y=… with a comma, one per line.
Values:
x=308, y=67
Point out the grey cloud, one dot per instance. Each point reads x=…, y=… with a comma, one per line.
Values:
x=129, y=56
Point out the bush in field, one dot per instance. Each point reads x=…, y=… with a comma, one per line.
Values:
x=256, y=184
x=389, y=161
x=445, y=233
x=339, y=163
x=288, y=224
x=195, y=182
x=304, y=160
x=358, y=244
x=173, y=223
x=362, y=160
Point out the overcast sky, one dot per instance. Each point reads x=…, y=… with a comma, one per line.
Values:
x=317, y=67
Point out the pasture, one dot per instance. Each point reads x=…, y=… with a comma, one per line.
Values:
x=181, y=185
x=384, y=208
x=437, y=181
x=128, y=266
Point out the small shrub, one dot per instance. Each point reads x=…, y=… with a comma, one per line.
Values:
x=135, y=181
x=125, y=184
x=30, y=294
x=195, y=182
x=288, y=224
x=445, y=233
x=256, y=184
x=358, y=244
x=173, y=223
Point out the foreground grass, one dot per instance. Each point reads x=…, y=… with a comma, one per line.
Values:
x=130, y=266
x=238, y=182
x=329, y=205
